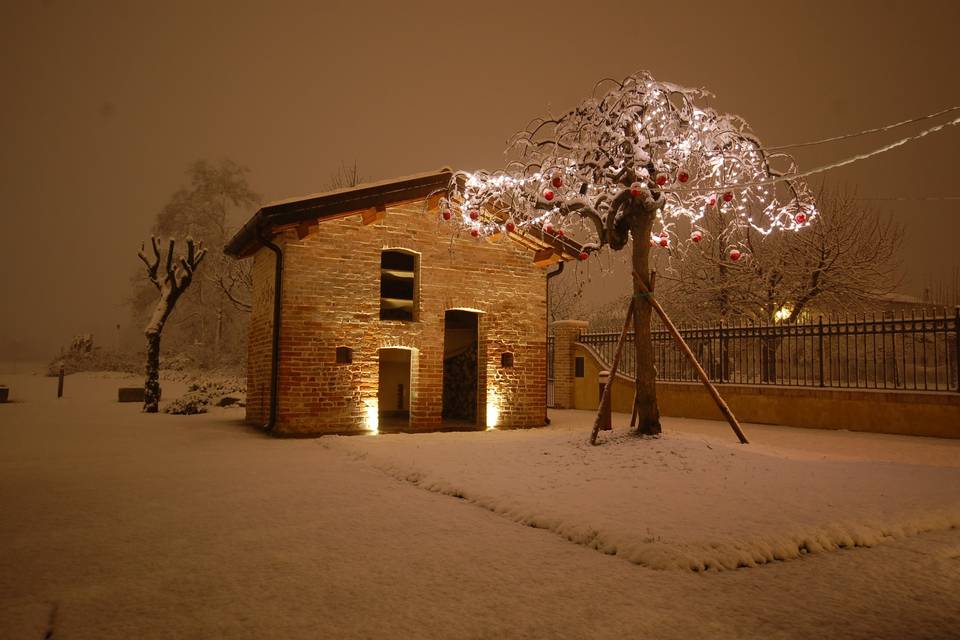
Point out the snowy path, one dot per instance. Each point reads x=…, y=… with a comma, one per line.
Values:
x=196, y=527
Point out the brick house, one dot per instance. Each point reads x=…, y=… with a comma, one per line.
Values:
x=387, y=321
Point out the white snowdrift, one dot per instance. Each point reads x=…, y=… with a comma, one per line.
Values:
x=683, y=501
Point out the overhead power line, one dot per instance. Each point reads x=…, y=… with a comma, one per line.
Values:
x=913, y=198
x=822, y=168
x=847, y=136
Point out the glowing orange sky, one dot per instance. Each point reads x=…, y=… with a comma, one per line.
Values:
x=104, y=106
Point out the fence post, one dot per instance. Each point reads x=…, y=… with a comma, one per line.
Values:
x=820, y=346
x=723, y=353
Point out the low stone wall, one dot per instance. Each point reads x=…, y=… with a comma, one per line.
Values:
x=900, y=412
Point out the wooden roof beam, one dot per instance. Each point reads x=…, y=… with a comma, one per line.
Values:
x=373, y=215
x=546, y=257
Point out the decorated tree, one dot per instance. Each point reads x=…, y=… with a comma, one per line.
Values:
x=639, y=166
x=176, y=278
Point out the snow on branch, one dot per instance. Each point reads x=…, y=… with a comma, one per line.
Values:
x=643, y=142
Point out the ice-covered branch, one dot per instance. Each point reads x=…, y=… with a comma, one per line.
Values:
x=643, y=147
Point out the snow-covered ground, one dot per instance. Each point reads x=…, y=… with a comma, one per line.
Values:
x=115, y=524
x=684, y=500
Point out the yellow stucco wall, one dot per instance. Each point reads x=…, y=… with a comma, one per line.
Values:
x=908, y=413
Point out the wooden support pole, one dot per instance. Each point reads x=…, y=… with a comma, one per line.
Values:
x=605, y=398
x=724, y=409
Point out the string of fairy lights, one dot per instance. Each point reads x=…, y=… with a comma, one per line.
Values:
x=644, y=138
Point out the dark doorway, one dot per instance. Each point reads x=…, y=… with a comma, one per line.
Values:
x=393, y=391
x=460, y=369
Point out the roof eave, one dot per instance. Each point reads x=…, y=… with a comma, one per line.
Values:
x=329, y=205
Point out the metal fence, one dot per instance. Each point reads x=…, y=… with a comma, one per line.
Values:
x=915, y=352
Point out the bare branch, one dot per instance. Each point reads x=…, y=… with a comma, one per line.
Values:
x=152, y=265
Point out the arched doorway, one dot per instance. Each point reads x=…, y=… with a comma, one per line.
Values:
x=393, y=390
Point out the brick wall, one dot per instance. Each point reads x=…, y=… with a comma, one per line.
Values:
x=331, y=298
x=565, y=335
x=915, y=413
x=259, y=338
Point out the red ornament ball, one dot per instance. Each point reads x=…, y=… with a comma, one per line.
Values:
x=511, y=227
x=734, y=254
x=584, y=255
x=547, y=195
x=560, y=233
x=474, y=214
x=475, y=232
x=664, y=241
x=800, y=217
x=712, y=201
x=696, y=236
x=548, y=228
x=557, y=182
x=728, y=196
x=661, y=179
x=683, y=176
x=446, y=214
x=636, y=189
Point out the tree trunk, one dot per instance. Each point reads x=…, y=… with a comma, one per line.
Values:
x=178, y=275
x=151, y=387
x=646, y=396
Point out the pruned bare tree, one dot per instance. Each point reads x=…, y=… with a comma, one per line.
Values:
x=210, y=327
x=176, y=278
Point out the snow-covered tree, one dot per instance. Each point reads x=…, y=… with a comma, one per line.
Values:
x=177, y=276
x=208, y=208
x=644, y=161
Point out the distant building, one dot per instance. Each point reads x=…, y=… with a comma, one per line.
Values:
x=387, y=322
x=902, y=303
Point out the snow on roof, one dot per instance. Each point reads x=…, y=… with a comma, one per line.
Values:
x=360, y=187
x=334, y=202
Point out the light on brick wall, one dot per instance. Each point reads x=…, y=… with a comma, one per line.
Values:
x=373, y=417
x=493, y=409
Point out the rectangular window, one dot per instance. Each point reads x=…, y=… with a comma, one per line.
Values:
x=398, y=285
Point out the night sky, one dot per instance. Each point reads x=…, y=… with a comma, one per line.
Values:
x=105, y=105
